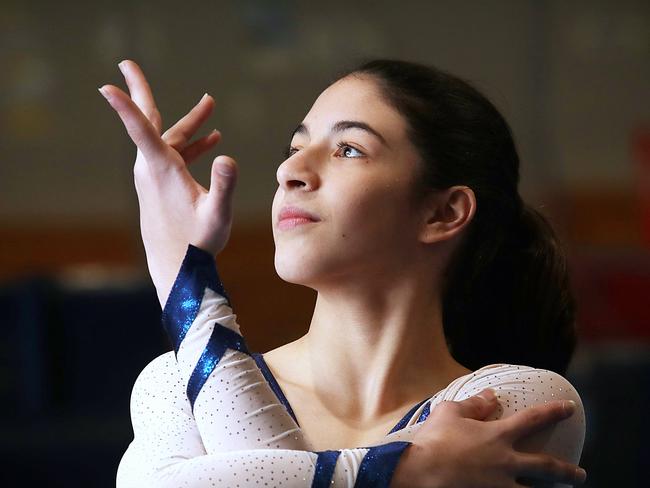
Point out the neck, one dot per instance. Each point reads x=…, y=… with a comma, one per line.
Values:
x=375, y=347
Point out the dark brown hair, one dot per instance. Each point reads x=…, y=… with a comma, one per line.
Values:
x=507, y=297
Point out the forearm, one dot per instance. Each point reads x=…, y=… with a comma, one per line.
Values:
x=257, y=467
x=223, y=384
x=168, y=449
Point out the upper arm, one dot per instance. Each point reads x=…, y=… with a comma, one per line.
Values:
x=163, y=426
x=520, y=387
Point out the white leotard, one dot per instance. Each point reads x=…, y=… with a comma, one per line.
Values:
x=205, y=415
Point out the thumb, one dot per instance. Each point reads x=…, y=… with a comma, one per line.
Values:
x=222, y=185
x=480, y=406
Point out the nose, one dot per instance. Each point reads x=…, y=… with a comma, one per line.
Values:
x=298, y=172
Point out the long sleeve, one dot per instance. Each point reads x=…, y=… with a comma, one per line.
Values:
x=205, y=415
x=168, y=451
x=224, y=386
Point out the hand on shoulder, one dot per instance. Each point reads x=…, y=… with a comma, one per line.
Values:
x=457, y=445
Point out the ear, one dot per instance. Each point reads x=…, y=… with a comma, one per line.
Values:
x=447, y=213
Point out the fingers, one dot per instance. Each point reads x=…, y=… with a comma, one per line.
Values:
x=222, y=186
x=140, y=129
x=141, y=92
x=182, y=131
x=547, y=468
x=534, y=419
x=477, y=407
x=141, y=97
x=200, y=146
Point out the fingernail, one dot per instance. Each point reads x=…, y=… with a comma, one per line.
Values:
x=488, y=395
x=569, y=406
x=104, y=93
x=581, y=475
x=225, y=169
x=205, y=95
x=121, y=66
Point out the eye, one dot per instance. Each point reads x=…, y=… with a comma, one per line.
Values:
x=345, y=149
x=348, y=151
x=289, y=151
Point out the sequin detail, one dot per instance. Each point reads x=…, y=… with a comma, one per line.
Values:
x=425, y=412
x=325, y=465
x=402, y=423
x=197, y=272
x=221, y=339
x=379, y=464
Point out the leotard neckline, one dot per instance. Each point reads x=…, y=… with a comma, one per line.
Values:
x=275, y=386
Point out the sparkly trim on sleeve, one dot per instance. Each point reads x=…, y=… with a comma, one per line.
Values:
x=378, y=465
x=324, y=470
x=221, y=339
x=226, y=392
x=198, y=272
x=197, y=277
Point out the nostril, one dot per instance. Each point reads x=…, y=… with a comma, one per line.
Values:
x=296, y=183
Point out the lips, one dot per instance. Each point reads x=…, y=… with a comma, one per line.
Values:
x=296, y=213
x=291, y=216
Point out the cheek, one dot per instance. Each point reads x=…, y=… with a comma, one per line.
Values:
x=380, y=211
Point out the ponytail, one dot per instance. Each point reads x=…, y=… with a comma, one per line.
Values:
x=506, y=297
x=514, y=306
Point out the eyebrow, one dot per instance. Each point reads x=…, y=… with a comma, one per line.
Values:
x=343, y=125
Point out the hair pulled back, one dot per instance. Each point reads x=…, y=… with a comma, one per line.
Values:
x=507, y=296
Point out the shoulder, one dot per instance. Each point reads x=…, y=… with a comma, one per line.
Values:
x=532, y=385
x=519, y=387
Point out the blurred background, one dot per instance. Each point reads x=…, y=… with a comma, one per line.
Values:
x=79, y=316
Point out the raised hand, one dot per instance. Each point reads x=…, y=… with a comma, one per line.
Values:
x=175, y=210
x=457, y=448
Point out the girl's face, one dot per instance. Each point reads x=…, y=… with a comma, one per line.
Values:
x=345, y=205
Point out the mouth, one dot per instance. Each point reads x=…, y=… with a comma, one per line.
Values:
x=291, y=217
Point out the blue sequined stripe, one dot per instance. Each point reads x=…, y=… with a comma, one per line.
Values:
x=221, y=339
x=402, y=423
x=425, y=412
x=198, y=272
x=379, y=464
x=325, y=465
x=275, y=386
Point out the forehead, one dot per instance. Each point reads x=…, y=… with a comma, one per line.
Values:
x=355, y=98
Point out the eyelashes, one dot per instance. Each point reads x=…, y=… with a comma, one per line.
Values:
x=290, y=150
x=343, y=146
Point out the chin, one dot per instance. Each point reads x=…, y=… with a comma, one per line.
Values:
x=304, y=263
x=293, y=268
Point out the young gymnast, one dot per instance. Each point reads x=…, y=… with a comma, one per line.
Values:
x=398, y=203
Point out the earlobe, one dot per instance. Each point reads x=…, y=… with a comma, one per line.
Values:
x=448, y=212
